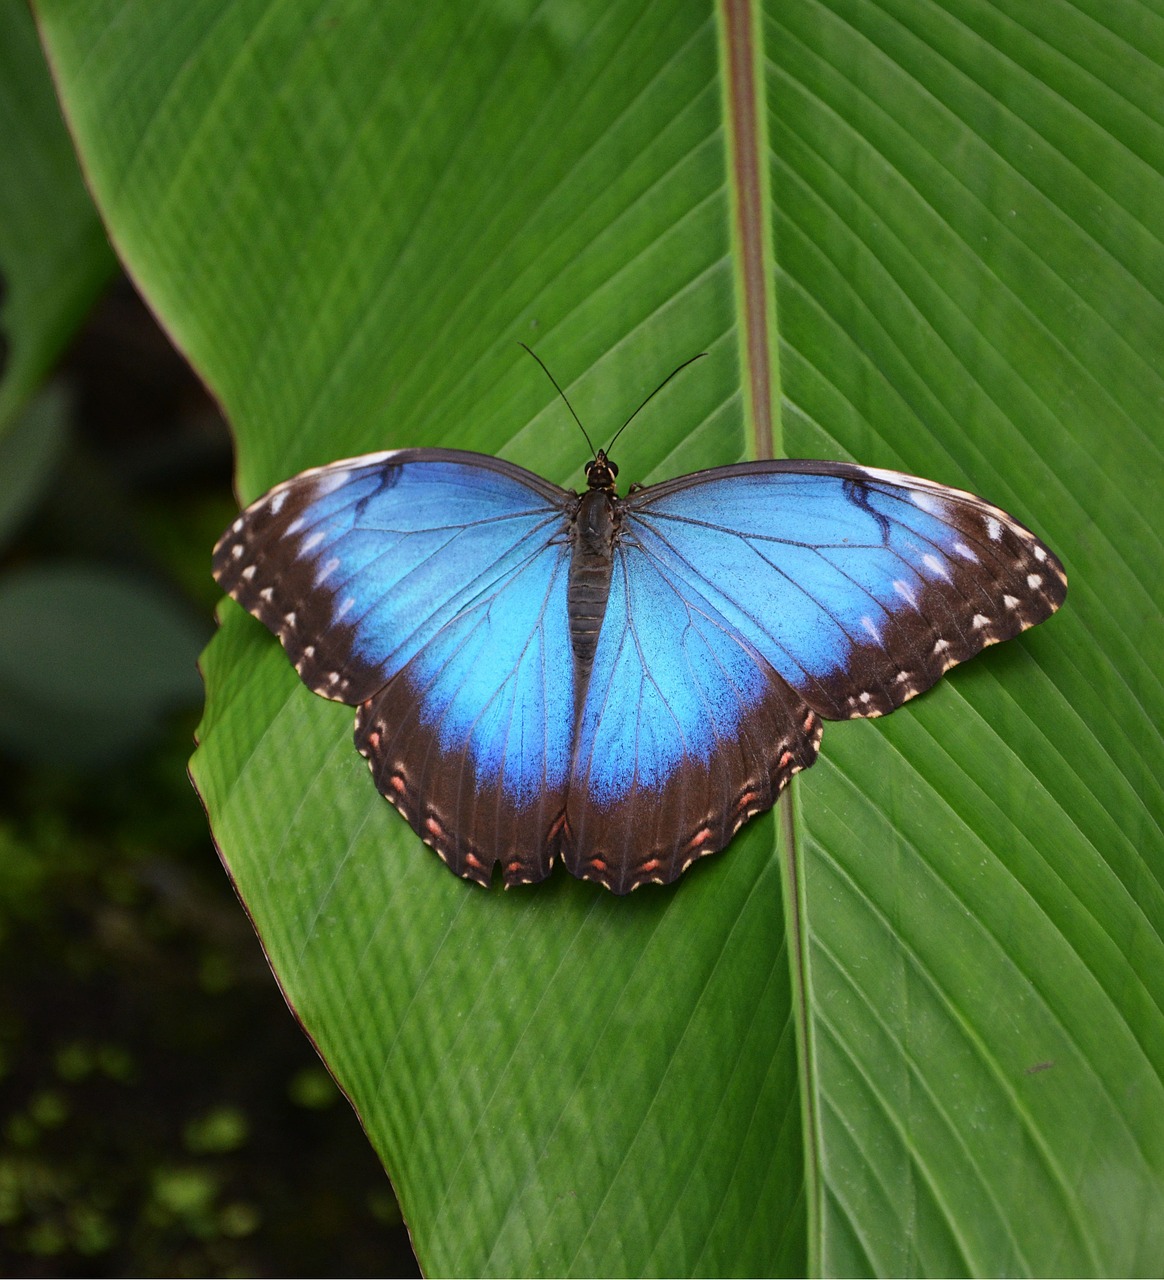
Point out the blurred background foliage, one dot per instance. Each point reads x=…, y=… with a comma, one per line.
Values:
x=160, y=1111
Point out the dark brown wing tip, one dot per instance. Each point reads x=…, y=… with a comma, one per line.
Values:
x=951, y=623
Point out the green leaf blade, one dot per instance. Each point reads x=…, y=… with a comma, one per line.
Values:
x=965, y=211
x=963, y=250
x=527, y=1088
x=54, y=258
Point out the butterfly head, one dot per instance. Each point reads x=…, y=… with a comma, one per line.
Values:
x=601, y=472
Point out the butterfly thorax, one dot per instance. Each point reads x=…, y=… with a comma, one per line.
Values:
x=592, y=535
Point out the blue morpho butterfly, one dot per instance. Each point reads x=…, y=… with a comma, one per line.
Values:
x=621, y=682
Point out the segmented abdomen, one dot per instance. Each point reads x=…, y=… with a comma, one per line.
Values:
x=590, y=570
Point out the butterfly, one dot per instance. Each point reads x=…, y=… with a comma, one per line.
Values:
x=617, y=682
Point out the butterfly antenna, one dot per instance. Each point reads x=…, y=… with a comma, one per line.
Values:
x=652, y=396
x=560, y=392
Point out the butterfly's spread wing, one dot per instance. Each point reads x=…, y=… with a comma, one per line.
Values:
x=686, y=732
x=860, y=587
x=746, y=603
x=428, y=587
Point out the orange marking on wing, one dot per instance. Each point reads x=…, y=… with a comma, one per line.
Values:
x=473, y=861
x=396, y=782
x=651, y=864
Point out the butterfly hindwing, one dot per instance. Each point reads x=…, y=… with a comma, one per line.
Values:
x=470, y=739
x=686, y=732
x=861, y=587
x=428, y=587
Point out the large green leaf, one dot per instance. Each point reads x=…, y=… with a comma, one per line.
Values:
x=946, y=223
x=53, y=254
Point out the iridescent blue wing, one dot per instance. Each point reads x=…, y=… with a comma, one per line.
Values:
x=860, y=587
x=685, y=733
x=428, y=587
x=746, y=603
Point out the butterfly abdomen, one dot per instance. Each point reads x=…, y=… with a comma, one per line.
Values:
x=592, y=556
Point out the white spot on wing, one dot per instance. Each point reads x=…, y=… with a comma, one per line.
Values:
x=934, y=565
x=905, y=591
x=236, y=551
x=1040, y=553
x=277, y=501
x=347, y=604
x=329, y=481
x=296, y=524
x=1034, y=581
x=867, y=623
x=1010, y=601
x=248, y=572
x=964, y=551
x=994, y=528
x=928, y=502
x=979, y=620
x=311, y=542
x=328, y=569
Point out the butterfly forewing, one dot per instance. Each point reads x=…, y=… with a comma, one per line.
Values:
x=861, y=587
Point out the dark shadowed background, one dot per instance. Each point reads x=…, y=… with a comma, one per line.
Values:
x=160, y=1110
